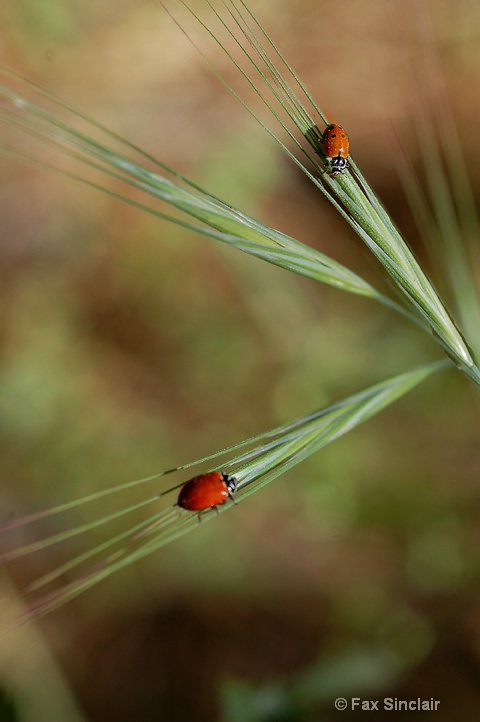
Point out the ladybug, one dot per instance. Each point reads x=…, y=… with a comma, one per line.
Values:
x=207, y=491
x=335, y=146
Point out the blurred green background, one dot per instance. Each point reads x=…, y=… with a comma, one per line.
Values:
x=129, y=346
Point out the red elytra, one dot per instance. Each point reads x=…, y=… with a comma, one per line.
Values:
x=206, y=491
x=336, y=148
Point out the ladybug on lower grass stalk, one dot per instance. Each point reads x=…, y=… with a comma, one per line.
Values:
x=207, y=491
x=336, y=148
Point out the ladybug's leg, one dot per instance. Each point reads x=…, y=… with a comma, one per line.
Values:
x=204, y=511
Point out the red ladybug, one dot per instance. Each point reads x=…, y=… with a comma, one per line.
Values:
x=207, y=490
x=335, y=146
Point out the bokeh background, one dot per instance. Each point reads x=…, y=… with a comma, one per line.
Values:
x=129, y=346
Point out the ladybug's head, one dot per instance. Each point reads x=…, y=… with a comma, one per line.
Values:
x=231, y=483
x=338, y=164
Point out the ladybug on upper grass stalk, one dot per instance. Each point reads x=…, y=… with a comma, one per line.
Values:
x=207, y=491
x=335, y=146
